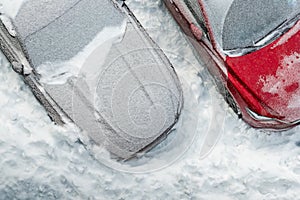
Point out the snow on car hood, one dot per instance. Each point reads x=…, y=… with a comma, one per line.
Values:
x=286, y=84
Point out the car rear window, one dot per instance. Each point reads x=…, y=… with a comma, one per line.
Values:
x=216, y=11
x=247, y=21
x=237, y=24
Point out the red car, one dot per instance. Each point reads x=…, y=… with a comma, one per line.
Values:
x=252, y=48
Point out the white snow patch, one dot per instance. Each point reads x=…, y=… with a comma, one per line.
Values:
x=11, y=7
x=295, y=101
x=60, y=72
x=287, y=75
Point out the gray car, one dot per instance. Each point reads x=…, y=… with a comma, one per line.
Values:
x=91, y=62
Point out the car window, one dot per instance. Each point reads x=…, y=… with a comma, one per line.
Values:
x=215, y=11
x=247, y=21
x=237, y=24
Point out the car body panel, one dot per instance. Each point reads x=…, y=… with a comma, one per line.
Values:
x=93, y=63
x=274, y=76
x=247, y=78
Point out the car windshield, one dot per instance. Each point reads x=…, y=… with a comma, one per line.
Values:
x=238, y=24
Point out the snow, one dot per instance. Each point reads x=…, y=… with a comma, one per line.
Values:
x=39, y=160
x=286, y=76
x=71, y=68
x=11, y=7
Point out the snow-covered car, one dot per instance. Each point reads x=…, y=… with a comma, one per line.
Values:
x=91, y=62
x=252, y=49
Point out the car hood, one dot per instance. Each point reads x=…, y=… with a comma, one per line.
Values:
x=269, y=78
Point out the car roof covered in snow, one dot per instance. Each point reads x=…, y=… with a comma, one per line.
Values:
x=102, y=70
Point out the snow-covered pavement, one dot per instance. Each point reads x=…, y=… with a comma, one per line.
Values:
x=39, y=160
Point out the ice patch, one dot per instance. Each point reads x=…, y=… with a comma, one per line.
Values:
x=60, y=72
